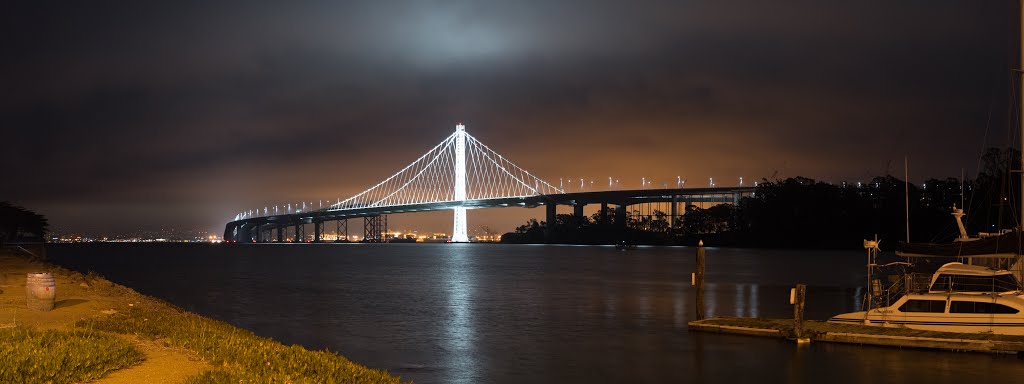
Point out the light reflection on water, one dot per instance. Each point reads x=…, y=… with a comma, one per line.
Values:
x=458, y=276
x=437, y=313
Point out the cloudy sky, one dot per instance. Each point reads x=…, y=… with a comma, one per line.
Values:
x=120, y=115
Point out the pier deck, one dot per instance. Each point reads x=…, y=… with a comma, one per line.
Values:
x=865, y=335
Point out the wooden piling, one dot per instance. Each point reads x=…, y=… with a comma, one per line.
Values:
x=799, y=299
x=699, y=280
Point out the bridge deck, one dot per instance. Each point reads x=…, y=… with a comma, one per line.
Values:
x=241, y=230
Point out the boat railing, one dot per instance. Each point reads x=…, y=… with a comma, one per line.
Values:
x=917, y=282
x=884, y=295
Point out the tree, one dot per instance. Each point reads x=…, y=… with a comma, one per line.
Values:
x=17, y=223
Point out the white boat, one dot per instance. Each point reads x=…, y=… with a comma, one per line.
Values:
x=958, y=298
x=977, y=297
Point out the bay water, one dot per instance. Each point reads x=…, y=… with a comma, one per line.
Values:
x=495, y=313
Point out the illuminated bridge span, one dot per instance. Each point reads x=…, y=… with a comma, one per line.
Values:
x=458, y=174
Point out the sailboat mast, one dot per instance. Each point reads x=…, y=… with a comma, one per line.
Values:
x=1020, y=120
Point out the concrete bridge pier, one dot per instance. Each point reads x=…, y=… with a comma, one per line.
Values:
x=552, y=210
x=620, y=216
x=245, y=234
x=604, y=214
x=299, y=229
x=577, y=212
x=674, y=223
x=280, y=233
x=231, y=232
x=318, y=231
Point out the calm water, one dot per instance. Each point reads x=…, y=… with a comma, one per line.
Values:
x=484, y=313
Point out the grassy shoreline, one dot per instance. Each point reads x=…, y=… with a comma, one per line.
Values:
x=100, y=323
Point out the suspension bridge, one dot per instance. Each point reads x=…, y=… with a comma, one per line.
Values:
x=458, y=174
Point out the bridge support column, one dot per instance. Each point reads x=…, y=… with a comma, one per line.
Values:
x=604, y=214
x=675, y=211
x=280, y=233
x=551, y=209
x=298, y=232
x=259, y=232
x=244, y=235
x=318, y=231
x=620, y=216
x=460, y=234
x=374, y=228
x=230, y=233
x=341, y=236
x=577, y=211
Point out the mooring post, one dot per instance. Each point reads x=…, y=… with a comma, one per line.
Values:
x=698, y=280
x=799, y=298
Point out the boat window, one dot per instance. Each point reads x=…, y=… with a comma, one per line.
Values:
x=979, y=307
x=933, y=306
x=959, y=283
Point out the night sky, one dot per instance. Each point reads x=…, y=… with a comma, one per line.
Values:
x=123, y=115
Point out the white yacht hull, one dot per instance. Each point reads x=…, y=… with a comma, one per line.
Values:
x=1000, y=324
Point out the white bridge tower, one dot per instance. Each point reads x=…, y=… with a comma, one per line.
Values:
x=459, y=234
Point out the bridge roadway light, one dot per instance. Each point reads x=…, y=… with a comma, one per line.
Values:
x=741, y=181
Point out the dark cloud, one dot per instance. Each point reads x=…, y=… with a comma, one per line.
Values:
x=187, y=112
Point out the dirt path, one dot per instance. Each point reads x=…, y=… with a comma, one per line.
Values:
x=82, y=297
x=162, y=365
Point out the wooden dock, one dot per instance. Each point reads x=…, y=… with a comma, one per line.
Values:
x=894, y=336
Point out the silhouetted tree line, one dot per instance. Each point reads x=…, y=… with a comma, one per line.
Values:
x=803, y=213
x=20, y=224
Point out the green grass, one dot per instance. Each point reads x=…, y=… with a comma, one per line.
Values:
x=238, y=355
x=31, y=356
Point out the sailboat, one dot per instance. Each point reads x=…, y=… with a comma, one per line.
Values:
x=977, y=288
